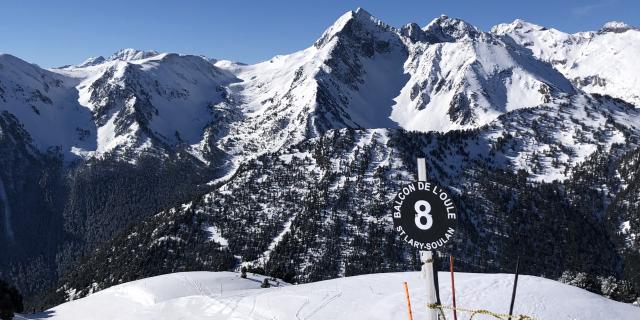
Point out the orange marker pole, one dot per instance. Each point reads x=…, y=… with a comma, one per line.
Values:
x=406, y=291
x=453, y=288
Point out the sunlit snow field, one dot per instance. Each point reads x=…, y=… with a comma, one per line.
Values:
x=224, y=295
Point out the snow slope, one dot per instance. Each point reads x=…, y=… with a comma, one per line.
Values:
x=333, y=84
x=463, y=78
x=144, y=98
x=224, y=295
x=363, y=73
x=132, y=100
x=46, y=104
x=598, y=62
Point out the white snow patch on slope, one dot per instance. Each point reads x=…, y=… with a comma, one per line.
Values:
x=216, y=236
x=224, y=295
x=286, y=229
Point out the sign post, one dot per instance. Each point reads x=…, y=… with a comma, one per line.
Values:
x=453, y=288
x=426, y=257
x=515, y=286
x=425, y=217
x=427, y=274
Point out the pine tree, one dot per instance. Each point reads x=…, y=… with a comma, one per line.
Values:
x=10, y=301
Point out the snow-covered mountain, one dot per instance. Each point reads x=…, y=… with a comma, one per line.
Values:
x=130, y=102
x=362, y=73
x=596, y=62
x=464, y=78
x=104, y=148
x=46, y=105
x=224, y=295
x=128, y=54
x=142, y=100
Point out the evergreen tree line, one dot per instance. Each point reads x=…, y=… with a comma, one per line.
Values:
x=60, y=212
x=320, y=210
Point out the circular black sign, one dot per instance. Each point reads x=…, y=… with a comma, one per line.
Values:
x=425, y=216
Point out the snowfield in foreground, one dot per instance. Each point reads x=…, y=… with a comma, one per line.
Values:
x=224, y=295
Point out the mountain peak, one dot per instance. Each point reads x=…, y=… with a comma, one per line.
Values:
x=7, y=57
x=92, y=61
x=360, y=12
x=15, y=62
x=448, y=29
x=127, y=54
x=517, y=26
x=360, y=16
x=413, y=31
x=617, y=27
x=130, y=54
x=445, y=20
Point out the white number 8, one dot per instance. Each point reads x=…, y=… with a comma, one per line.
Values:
x=423, y=208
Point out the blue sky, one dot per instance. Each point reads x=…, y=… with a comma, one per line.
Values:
x=53, y=33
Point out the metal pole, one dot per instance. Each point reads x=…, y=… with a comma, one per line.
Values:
x=427, y=274
x=422, y=170
x=406, y=292
x=515, y=285
x=427, y=257
x=453, y=288
x=436, y=284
